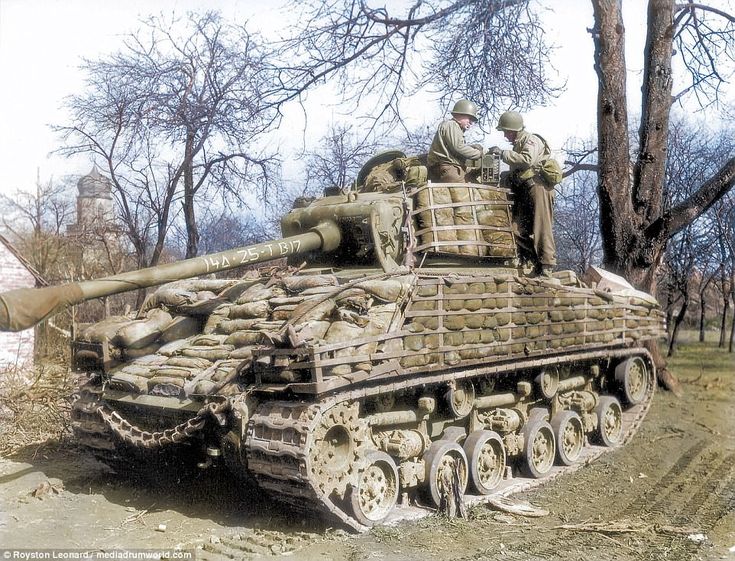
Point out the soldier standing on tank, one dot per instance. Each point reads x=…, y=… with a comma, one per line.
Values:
x=533, y=207
x=448, y=152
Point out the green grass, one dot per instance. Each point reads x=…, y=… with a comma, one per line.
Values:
x=692, y=358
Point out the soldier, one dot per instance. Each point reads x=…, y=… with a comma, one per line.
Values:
x=533, y=209
x=448, y=151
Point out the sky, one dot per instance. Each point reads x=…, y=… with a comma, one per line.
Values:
x=42, y=43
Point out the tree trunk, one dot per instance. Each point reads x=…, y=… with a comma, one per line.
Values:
x=732, y=324
x=669, y=311
x=630, y=205
x=677, y=323
x=702, y=306
x=192, y=233
x=723, y=320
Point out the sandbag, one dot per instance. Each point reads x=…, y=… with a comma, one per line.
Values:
x=210, y=353
x=299, y=283
x=309, y=311
x=188, y=362
x=229, y=326
x=141, y=333
x=202, y=307
x=312, y=330
x=167, y=296
x=244, y=338
x=181, y=327
x=257, y=309
x=259, y=292
x=172, y=348
x=104, y=330
x=173, y=372
x=386, y=290
x=208, y=340
x=129, y=382
x=132, y=354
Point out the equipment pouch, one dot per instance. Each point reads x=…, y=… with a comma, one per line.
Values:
x=551, y=172
x=550, y=169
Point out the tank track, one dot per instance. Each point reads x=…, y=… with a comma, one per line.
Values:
x=89, y=429
x=280, y=457
x=291, y=457
x=92, y=433
x=281, y=434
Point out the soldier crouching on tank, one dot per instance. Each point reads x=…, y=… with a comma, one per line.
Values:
x=448, y=151
x=533, y=207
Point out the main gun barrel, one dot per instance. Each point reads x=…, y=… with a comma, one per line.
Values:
x=25, y=307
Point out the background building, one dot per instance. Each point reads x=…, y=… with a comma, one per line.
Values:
x=16, y=349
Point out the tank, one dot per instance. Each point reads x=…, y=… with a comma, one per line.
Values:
x=400, y=356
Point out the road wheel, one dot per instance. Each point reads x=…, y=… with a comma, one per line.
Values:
x=376, y=492
x=609, y=421
x=632, y=377
x=443, y=459
x=569, y=433
x=486, y=456
x=538, y=448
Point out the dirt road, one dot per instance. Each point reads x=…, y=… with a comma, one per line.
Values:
x=669, y=494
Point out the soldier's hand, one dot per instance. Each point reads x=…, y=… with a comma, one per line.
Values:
x=478, y=147
x=495, y=150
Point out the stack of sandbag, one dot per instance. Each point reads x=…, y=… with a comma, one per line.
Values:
x=435, y=218
x=477, y=215
x=366, y=310
x=473, y=319
x=496, y=217
x=193, y=354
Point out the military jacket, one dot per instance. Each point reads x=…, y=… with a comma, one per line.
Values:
x=529, y=151
x=448, y=146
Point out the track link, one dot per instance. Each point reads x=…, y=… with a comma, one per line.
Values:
x=282, y=433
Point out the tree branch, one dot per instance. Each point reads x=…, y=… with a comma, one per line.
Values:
x=683, y=214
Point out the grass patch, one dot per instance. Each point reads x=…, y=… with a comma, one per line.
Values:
x=694, y=360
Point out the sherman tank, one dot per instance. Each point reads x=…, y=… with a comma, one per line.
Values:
x=400, y=355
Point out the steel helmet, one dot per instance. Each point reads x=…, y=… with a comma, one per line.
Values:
x=465, y=107
x=510, y=121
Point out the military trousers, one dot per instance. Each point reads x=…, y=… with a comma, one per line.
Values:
x=446, y=173
x=533, y=215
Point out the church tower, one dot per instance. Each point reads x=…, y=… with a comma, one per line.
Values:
x=94, y=201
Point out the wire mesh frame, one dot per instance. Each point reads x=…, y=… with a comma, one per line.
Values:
x=498, y=205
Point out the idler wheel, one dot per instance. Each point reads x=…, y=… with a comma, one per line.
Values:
x=443, y=459
x=539, y=448
x=609, y=421
x=632, y=377
x=486, y=456
x=376, y=491
x=569, y=433
x=460, y=399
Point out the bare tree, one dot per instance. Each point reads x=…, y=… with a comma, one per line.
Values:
x=492, y=51
x=221, y=229
x=724, y=230
x=337, y=160
x=36, y=222
x=577, y=213
x=176, y=111
x=681, y=259
x=636, y=221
